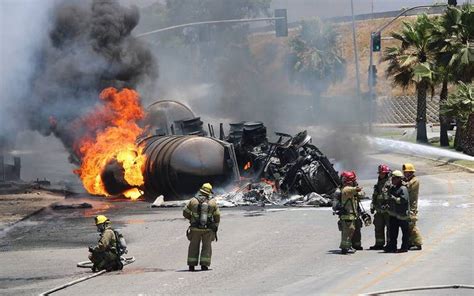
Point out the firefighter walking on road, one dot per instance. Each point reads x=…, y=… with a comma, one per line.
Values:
x=204, y=217
x=379, y=200
x=413, y=186
x=349, y=223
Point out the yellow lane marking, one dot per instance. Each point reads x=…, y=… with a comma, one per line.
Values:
x=434, y=243
x=357, y=278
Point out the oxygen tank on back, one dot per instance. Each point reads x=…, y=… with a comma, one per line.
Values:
x=203, y=214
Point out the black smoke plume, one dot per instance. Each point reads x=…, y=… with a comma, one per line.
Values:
x=89, y=48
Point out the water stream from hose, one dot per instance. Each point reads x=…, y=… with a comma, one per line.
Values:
x=416, y=149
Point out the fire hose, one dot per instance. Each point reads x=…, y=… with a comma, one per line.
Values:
x=421, y=289
x=86, y=264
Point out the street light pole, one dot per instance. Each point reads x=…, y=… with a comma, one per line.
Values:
x=210, y=23
x=356, y=56
x=371, y=52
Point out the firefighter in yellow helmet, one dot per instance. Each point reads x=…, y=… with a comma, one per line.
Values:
x=204, y=217
x=413, y=186
x=104, y=255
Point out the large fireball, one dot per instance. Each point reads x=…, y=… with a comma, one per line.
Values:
x=112, y=131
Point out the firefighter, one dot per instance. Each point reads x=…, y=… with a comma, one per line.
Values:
x=413, y=186
x=204, y=217
x=379, y=199
x=104, y=255
x=399, y=211
x=350, y=223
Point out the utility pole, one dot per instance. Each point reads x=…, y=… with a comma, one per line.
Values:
x=356, y=56
x=356, y=59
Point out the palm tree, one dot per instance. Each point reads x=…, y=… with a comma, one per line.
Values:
x=315, y=60
x=411, y=63
x=453, y=53
x=460, y=106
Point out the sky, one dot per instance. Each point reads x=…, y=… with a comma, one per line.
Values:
x=300, y=9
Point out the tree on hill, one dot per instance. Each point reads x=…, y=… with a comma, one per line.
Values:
x=315, y=60
x=411, y=63
x=451, y=37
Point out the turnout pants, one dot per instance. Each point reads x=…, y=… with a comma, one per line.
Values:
x=105, y=260
x=415, y=234
x=197, y=236
x=381, y=222
x=350, y=233
x=395, y=224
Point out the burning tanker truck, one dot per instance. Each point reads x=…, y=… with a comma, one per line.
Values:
x=181, y=155
x=174, y=155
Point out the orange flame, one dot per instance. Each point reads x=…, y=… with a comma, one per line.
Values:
x=113, y=130
x=247, y=166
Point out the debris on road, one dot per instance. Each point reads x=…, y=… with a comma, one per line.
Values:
x=74, y=206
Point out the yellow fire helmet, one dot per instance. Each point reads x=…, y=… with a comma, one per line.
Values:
x=397, y=173
x=206, y=188
x=101, y=219
x=408, y=167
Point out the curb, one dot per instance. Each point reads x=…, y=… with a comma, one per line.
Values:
x=440, y=161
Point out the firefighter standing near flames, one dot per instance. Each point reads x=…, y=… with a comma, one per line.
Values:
x=413, y=186
x=105, y=255
x=349, y=216
x=204, y=216
x=379, y=200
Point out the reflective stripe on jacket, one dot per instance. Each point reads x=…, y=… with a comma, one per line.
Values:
x=349, y=201
x=413, y=186
x=191, y=210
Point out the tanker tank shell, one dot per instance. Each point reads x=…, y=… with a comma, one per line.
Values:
x=177, y=166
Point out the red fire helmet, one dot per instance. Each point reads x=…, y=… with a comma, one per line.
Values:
x=348, y=176
x=383, y=168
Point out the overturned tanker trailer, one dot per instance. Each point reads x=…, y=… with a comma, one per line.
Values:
x=176, y=166
x=180, y=157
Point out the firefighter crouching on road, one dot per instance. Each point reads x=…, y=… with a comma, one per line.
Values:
x=349, y=216
x=104, y=255
x=204, y=216
x=379, y=199
x=413, y=186
x=399, y=211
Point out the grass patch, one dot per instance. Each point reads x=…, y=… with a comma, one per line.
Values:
x=466, y=163
x=450, y=147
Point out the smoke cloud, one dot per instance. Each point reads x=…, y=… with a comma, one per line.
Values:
x=89, y=48
x=225, y=73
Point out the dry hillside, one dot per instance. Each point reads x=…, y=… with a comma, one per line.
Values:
x=271, y=52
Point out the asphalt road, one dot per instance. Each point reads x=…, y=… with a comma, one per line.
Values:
x=282, y=251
